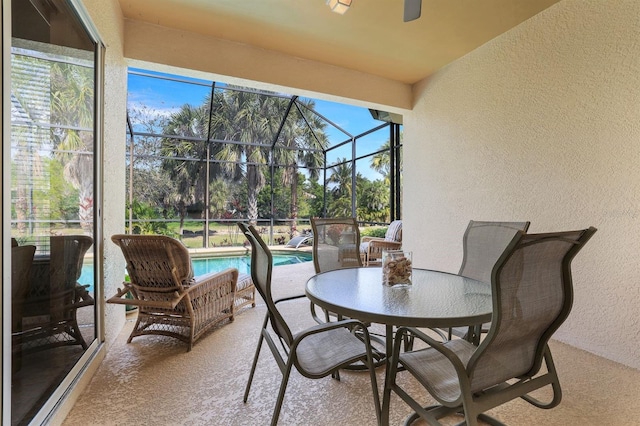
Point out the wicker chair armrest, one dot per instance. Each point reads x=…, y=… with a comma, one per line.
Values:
x=68, y=299
x=383, y=244
x=82, y=296
x=226, y=279
x=367, y=238
x=120, y=299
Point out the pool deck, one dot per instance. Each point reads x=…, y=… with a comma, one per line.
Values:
x=241, y=251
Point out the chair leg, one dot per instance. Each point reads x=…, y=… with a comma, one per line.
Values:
x=555, y=385
x=389, y=381
x=283, y=388
x=255, y=359
x=386, y=396
x=374, y=383
x=77, y=334
x=135, y=328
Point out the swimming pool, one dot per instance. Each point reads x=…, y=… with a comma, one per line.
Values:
x=242, y=263
x=212, y=264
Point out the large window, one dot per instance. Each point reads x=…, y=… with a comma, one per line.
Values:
x=52, y=201
x=203, y=155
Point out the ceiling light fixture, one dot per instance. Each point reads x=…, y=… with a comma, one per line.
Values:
x=339, y=6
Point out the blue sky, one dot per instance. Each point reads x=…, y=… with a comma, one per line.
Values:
x=163, y=97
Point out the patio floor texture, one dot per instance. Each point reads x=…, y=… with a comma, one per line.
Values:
x=155, y=381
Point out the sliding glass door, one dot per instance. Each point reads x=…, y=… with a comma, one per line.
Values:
x=53, y=220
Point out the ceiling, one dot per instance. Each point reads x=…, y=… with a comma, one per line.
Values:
x=370, y=37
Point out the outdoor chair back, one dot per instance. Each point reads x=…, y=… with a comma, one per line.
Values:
x=21, y=260
x=316, y=352
x=532, y=296
x=532, y=292
x=54, y=296
x=371, y=247
x=336, y=243
x=261, y=270
x=170, y=300
x=483, y=243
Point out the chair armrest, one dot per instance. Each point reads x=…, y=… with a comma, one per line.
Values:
x=383, y=244
x=120, y=299
x=348, y=323
x=224, y=280
x=366, y=239
x=286, y=299
x=82, y=296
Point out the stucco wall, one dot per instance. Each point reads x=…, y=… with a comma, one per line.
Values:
x=540, y=124
x=107, y=18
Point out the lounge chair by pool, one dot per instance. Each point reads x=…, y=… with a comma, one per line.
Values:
x=296, y=242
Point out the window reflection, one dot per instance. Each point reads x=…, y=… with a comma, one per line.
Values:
x=52, y=187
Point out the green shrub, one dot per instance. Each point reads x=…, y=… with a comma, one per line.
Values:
x=373, y=232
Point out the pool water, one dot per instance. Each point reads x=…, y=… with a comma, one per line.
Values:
x=242, y=263
x=203, y=266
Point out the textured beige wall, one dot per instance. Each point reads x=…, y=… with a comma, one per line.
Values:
x=541, y=124
x=108, y=20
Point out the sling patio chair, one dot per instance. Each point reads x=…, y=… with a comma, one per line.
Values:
x=371, y=247
x=170, y=300
x=335, y=246
x=532, y=295
x=300, y=240
x=482, y=244
x=335, y=243
x=316, y=352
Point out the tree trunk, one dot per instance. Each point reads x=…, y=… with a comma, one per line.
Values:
x=254, y=186
x=182, y=207
x=79, y=171
x=294, y=203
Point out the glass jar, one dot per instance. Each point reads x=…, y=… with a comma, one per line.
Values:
x=396, y=267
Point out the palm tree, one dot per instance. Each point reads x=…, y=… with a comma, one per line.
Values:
x=381, y=162
x=373, y=200
x=183, y=158
x=72, y=109
x=247, y=117
x=305, y=143
x=341, y=192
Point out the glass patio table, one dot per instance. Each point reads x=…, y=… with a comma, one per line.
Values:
x=434, y=300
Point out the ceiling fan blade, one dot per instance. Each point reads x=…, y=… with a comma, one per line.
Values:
x=412, y=9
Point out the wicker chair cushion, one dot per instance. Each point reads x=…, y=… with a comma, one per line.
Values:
x=394, y=231
x=244, y=281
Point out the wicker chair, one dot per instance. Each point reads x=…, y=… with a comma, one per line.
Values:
x=371, y=247
x=532, y=296
x=170, y=301
x=482, y=244
x=21, y=260
x=245, y=293
x=49, y=310
x=317, y=352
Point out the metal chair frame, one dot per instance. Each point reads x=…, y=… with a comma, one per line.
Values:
x=472, y=379
x=299, y=349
